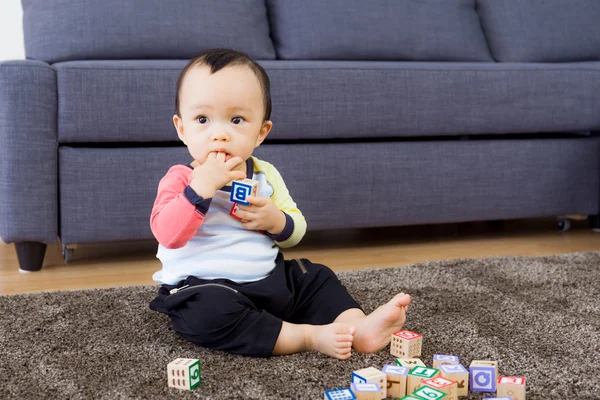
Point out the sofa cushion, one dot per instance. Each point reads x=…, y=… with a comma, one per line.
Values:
x=141, y=29
x=133, y=101
x=542, y=30
x=107, y=193
x=428, y=30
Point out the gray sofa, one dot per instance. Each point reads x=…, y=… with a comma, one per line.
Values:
x=387, y=112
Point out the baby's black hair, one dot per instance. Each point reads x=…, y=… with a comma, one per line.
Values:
x=217, y=59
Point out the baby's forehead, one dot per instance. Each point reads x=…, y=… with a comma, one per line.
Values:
x=240, y=80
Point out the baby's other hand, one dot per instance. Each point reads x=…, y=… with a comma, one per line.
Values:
x=262, y=215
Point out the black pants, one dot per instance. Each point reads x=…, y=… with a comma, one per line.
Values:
x=246, y=318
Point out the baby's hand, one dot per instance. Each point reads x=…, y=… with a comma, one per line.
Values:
x=215, y=173
x=262, y=215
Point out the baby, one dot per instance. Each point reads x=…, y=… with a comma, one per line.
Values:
x=224, y=282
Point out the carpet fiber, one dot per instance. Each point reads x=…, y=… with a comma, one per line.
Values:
x=539, y=317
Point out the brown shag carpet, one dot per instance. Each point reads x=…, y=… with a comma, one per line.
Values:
x=539, y=317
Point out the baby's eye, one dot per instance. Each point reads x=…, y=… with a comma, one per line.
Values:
x=237, y=120
x=202, y=120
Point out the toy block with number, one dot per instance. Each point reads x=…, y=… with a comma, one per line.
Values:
x=396, y=380
x=426, y=392
x=417, y=374
x=242, y=189
x=371, y=375
x=512, y=386
x=483, y=376
x=339, y=394
x=184, y=373
x=459, y=374
x=443, y=359
x=406, y=344
x=366, y=391
x=410, y=397
x=410, y=362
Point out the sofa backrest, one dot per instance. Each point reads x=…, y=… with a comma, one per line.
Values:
x=542, y=30
x=412, y=30
x=62, y=30
x=398, y=30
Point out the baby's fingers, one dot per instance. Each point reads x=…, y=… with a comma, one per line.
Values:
x=234, y=162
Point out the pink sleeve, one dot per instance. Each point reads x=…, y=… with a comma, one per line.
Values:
x=178, y=212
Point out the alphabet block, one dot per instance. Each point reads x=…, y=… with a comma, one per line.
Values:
x=512, y=386
x=443, y=385
x=371, y=375
x=410, y=362
x=406, y=344
x=417, y=374
x=460, y=375
x=482, y=377
x=339, y=394
x=443, y=359
x=366, y=391
x=242, y=189
x=396, y=380
x=184, y=373
x=426, y=392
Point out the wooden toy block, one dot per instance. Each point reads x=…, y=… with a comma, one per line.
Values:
x=443, y=385
x=409, y=397
x=406, y=344
x=417, y=374
x=426, y=392
x=499, y=398
x=512, y=386
x=410, y=362
x=242, y=189
x=371, y=375
x=483, y=376
x=443, y=359
x=184, y=373
x=340, y=394
x=459, y=374
x=486, y=363
x=366, y=391
x=396, y=380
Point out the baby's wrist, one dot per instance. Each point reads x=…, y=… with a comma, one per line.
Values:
x=279, y=224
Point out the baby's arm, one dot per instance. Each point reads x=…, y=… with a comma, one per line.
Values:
x=178, y=211
x=295, y=225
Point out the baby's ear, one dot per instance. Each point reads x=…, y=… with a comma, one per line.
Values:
x=264, y=131
x=179, y=127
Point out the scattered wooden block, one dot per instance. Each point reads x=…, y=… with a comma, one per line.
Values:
x=459, y=374
x=483, y=375
x=242, y=189
x=512, y=386
x=443, y=359
x=417, y=374
x=410, y=362
x=339, y=394
x=372, y=375
x=444, y=385
x=409, y=397
x=406, y=344
x=366, y=391
x=396, y=380
x=426, y=392
x=184, y=373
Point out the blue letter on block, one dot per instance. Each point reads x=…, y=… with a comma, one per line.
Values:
x=239, y=191
x=483, y=379
x=340, y=394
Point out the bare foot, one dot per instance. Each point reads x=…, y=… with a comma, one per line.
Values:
x=335, y=339
x=375, y=331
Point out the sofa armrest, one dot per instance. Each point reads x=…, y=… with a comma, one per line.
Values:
x=28, y=152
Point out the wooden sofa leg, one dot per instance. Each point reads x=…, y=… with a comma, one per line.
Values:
x=595, y=222
x=30, y=255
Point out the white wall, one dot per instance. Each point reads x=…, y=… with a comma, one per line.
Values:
x=11, y=30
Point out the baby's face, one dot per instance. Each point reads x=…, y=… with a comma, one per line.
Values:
x=221, y=112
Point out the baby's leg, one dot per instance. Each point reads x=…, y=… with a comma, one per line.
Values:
x=334, y=340
x=373, y=331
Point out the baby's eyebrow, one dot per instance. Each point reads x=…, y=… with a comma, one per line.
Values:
x=195, y=106
x=239, y=108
